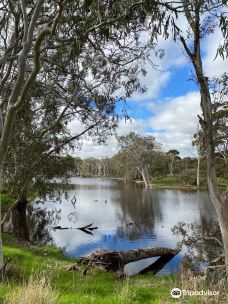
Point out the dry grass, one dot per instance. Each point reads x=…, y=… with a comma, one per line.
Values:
x=33, y=292
x=188, y=281
x=126, y=292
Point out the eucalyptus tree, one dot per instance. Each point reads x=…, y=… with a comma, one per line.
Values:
x=123, y=166
x=29, y=168
x=36, y=156
x=140, y=149
x=81, y=54
x=72, y=48
x=172, y=155
x=202, y=18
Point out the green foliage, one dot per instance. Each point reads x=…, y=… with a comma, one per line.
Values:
x=83, y=32
x=204, y=245
x=219, y=94
x=222, y=182
x=5, y=198
x=188, y=177
x=174, y=152
x=143, y=152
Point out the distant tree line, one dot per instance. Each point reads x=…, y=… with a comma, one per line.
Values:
x=142, y=158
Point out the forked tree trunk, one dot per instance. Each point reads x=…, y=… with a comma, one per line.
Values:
x=18, y=219
x=145, y=175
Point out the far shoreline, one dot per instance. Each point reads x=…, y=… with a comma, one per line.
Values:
x=155, y=185
x=141, y=183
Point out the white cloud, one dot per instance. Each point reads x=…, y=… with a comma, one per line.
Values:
x=75, y=126
x=175, y=121
x=159, y=72
x=132, y=125
x=154, y=81
x=92, y=149
x=214, y=67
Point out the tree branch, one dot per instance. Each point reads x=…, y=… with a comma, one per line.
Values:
x=36, y=68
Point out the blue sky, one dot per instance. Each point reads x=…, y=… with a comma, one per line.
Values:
x=169, y=108
x=180, y=76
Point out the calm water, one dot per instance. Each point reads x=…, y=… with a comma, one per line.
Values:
x=127, y=217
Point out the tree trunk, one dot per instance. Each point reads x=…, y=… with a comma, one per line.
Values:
x=171, y=168
x=198, y=172
x=18, y=219
x=145, y=175
x=112, y=260
x=219, y=201
x=221, y=206
x=1, y=252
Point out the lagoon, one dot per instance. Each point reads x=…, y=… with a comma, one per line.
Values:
x=127, y=216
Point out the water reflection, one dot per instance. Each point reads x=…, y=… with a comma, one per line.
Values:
x=127, y=217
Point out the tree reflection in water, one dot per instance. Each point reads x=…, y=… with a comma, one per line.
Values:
x=138, y=213
x=41, y=220
x=127, y=216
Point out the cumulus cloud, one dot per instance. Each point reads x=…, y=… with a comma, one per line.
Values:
x=175, y=121
x=154, y=81
x=90, y=148
x=214, y=67
x=159, y=69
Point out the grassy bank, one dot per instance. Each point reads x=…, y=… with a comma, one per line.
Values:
x=38, y=275
x=49, y=264
x=175, y=181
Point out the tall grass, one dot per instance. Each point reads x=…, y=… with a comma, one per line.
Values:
x=126, y=292
x=35, y=291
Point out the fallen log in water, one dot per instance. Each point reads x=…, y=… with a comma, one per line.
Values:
x=115, y=260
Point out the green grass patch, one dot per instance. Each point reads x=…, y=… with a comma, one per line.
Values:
x=39, y=276
x=168, y=180
x=74, y=287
